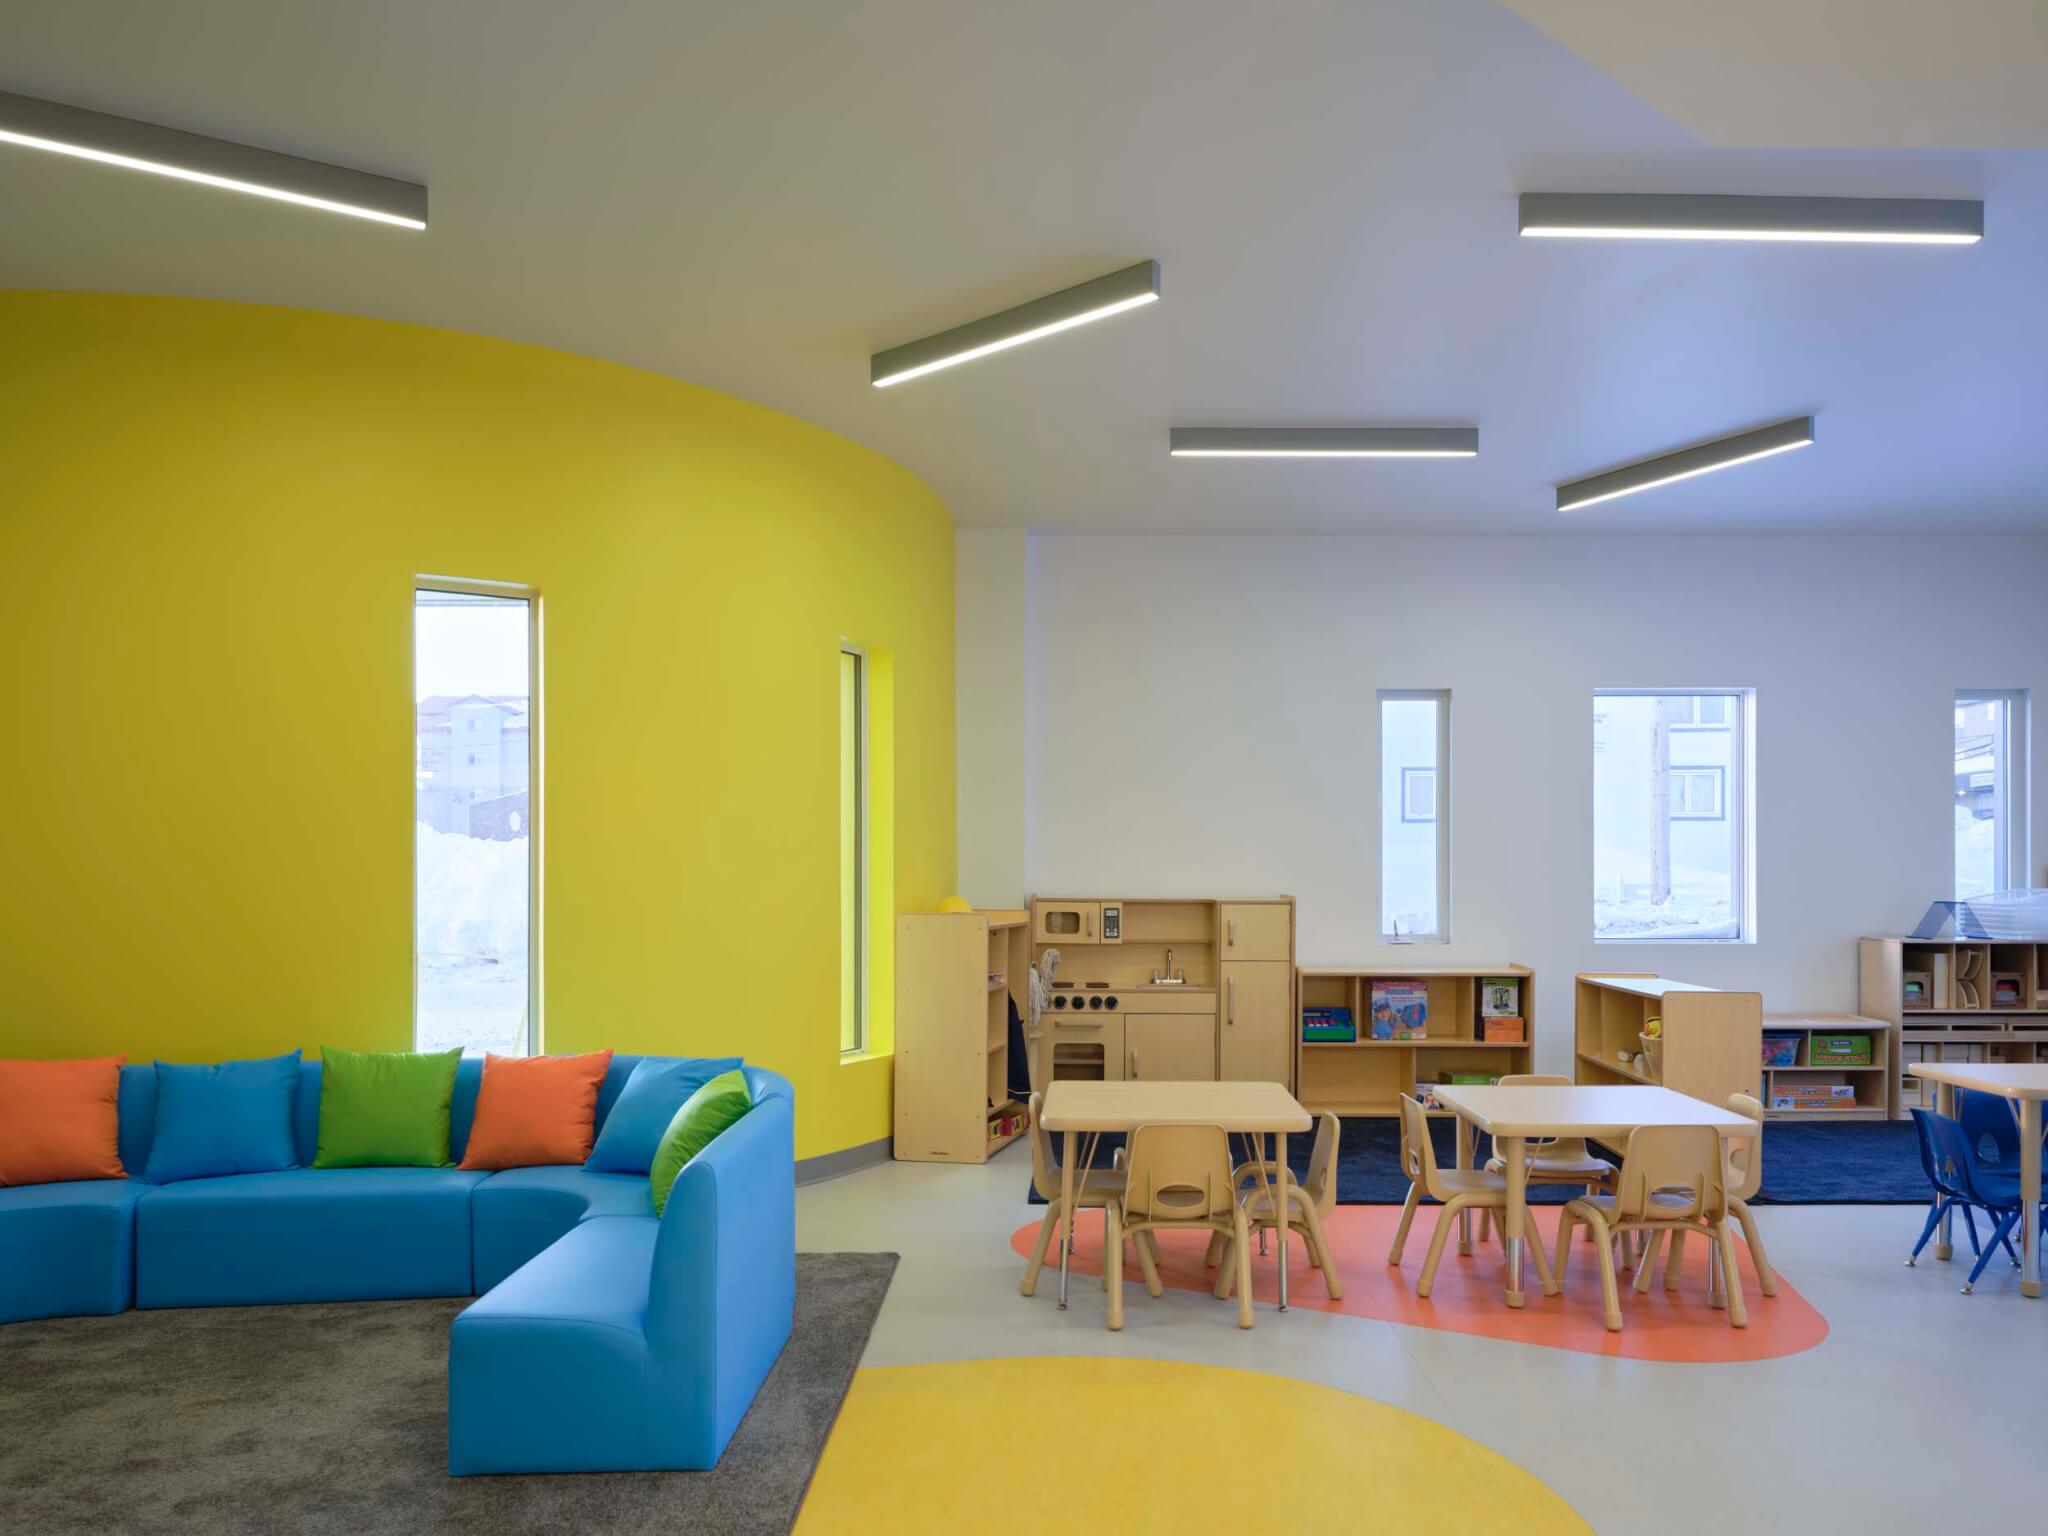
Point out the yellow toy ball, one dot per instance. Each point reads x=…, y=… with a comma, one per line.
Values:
x=956, y=904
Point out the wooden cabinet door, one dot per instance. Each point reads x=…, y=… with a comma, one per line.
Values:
x=1066, y=922
x=1258, y=1021
x=1257, y=930
x=1170, y=1047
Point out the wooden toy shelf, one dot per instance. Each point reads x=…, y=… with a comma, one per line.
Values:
x=1961, y=1001
x=1872, y=1082
x=1712, y=1040
x=957, y=973
x=1367, y=1077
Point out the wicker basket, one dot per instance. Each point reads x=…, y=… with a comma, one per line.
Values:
x=1653, y=1056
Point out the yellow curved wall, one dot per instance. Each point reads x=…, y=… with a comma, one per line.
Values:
x=211, y=517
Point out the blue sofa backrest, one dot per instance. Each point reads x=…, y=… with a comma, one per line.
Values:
x=138, y=1105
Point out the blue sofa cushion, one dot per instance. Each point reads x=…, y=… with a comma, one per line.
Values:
x=515, y=1214
x=310, y=1234
x=230, y=1117
x=653, y=1093
x=68, y=1250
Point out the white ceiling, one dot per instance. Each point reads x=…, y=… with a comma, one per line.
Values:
x=755, y=197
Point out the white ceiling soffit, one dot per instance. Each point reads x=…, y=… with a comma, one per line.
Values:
x=759, y=197
x=1823, y=74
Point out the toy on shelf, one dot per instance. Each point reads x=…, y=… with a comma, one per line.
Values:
x=1400, y=1010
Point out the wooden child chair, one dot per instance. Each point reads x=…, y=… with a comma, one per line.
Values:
x=1458, y=1189
x=1743, y=1174
x=1311, y=1201
x=1673, y=1181
x=1177, y=1176
x=1092, y=1191
x=1553, y=1159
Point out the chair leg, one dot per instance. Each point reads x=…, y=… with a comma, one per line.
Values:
x=1648, y=1266
x=1766, y=1277
x=1673, y=1258
x=1148, y=1264
x=1933, y=1220
x=1113, y=1265
x=1546, y=1274
x=1226, y=1270
x=2004, y=1225
x=1214, y=1251
x=1738, y=1314
x=1407, y=1220
x=1445, y=1220
x=1565, y=1221
x=1717, y=1283
x=1045, y=1229
x=1244, y=1272
x=1320, y=1255
x=1610, y=1300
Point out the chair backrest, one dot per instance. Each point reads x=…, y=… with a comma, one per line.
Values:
x=1683, y=1160
x=1534, y=1080
x=1989, y=1128
x=1320, y=1184
x=1178, y=1173
x=1044, y=1177
x=1418, y=1152
x=1556, y=1146
x=1954, y=1160
x=1944, y=1170
x=1745, y=1173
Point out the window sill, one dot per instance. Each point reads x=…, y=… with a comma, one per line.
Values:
x=855, y=1058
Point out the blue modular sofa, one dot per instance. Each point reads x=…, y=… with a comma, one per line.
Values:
x=605, y=1339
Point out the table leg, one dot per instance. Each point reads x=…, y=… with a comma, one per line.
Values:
x=2030, y=1197
x=1511, y=1150
x=1280, y=1223
x=1069, y=1155
x=1944, y=1104
x=1464, y=1132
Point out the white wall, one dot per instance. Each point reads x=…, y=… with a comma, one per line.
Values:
x=1198, y=719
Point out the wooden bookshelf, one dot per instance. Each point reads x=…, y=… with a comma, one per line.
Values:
x=956, y=975
x=1367, y=1077
x=1713, y=1040
x=1873, y=1083
x=1978, y=1001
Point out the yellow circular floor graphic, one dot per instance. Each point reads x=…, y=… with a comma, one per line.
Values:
x=1092, y=1444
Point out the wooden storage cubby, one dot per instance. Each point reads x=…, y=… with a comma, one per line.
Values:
x=1962, y=1021
x=1366, y=1077
x=1712, y=1040
x=1873, y=1083
x=957, y=974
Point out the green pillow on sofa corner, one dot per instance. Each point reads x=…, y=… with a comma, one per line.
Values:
x=385, y=1109
x=705, y=1113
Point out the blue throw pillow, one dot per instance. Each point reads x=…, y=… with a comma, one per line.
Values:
x=231, y=1117
x=652, y=1095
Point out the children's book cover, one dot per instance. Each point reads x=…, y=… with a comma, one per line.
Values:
x=1400, y=1010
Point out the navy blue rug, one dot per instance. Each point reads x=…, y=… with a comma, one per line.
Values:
x=1860, y=1164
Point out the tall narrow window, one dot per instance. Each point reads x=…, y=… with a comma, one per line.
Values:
x=1990, y=802
x=1415, y=816
x=1671, y=815
x=473, y=815
x=853, y=851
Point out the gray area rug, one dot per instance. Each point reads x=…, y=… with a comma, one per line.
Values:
x=334, y=1418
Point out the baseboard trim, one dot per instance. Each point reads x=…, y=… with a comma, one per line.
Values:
x=815, y=1170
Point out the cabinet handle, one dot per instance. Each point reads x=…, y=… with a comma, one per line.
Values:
x=1230, y=933
x=1230, y=1000
x=1089, y=919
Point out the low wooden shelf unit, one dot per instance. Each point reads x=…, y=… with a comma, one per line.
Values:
x=1366, y=1077
x=1960, y=1001
x=957, y=975
x=1712, y=1042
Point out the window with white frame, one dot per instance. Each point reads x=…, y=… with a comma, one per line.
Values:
x=853, y=851
x=1672, y=815
x=1990, y=797
x=1415, y=822
x=474, y=652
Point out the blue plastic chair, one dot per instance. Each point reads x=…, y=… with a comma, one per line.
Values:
x=1991, y=1130
x=1958, y=1182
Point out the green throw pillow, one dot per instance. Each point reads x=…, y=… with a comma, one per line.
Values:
x=704, y=1114
x=385, y=1109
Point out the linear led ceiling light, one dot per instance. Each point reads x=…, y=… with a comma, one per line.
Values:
x=85, y=135
x=1660, y=216
x=1062, y=311
x=1323, y=442
x=1722, y=453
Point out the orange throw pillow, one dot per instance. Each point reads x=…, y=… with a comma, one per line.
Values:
x=60, y=1120
x=534, y=1110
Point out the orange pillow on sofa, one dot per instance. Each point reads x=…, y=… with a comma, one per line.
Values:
x=533, y=1110
x=60, y=1120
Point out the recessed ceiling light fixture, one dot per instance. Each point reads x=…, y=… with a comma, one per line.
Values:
x=96, y=136
x=1722, y=453
x=1323, y=442
x=1662, y=216
x=1094, y=300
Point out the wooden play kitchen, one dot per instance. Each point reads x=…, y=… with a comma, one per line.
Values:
x=1478, y=1023
x=1166, y=990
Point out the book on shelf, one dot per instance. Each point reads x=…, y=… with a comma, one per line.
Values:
x=1400, y=1010
x=1503, y=1029
x=1500, y=997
